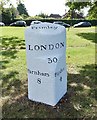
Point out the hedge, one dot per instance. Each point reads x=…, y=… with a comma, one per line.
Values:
x=71, y=22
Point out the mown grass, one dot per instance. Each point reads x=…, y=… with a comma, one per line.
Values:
x=80, y=100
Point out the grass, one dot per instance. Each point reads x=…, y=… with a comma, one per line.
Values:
x=80, y=100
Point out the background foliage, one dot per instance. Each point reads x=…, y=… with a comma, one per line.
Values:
x=10, y=13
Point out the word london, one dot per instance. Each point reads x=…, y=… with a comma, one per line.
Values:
x=46, y=47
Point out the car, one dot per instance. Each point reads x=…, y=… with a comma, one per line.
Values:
x=2, y=24
x=62, y=23
x=83, y=24
x=35, y=22
x=19, y=24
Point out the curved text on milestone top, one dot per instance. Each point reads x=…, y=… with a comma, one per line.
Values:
x=44, y=27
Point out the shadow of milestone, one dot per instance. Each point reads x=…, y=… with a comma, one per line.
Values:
x=89, y=36
x=79, y=102
x=11, y=45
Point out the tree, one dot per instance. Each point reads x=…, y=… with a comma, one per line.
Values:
x=78, y=5
x=19, y=1
x=92, y=13
x=9, y=13
x=43, y=15
x=6, y=15
x=2, y=4
x=73, y=6
x=22, y=9
x=14, y=12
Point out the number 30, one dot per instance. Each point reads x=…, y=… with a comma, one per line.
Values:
x=54, y=60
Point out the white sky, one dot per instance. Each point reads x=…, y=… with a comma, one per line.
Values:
x=45, y=6
x=35, y=7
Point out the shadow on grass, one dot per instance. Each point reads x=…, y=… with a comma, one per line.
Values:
x=3, y=64
x=11, y=45
x=79, y=102
x=89, y=36
x=10, y=83
x=12, y=42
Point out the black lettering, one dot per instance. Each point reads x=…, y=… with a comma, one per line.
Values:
x=55, y=28
x=46, y=47
x=36, y=47
x=46, y=74
x=55, y=74
x=55, y=59
x=39, y=81
x=48, y=27
x=34, y=72
x=61, y=45
x=52, y=60
x=39, y=73
x=43, y=74
x=51, y=47
x=29, y=70
x=59, y=72
x=43, y=47
x=60, y=78
x=33, y=27
x=57, y=45
x=45, y=27
x=30, y=47
x=49, y=60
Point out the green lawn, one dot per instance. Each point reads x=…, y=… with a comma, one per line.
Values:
x=80, y=100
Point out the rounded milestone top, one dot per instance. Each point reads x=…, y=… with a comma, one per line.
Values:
x=47, y=28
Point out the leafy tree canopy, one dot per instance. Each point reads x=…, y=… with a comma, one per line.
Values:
x=43, y=15
x=77, y=5
x=92, y=14
x=22, y=9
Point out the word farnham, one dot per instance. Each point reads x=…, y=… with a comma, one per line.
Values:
x=38, y=73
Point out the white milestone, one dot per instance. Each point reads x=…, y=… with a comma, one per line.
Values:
x=46, y=62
